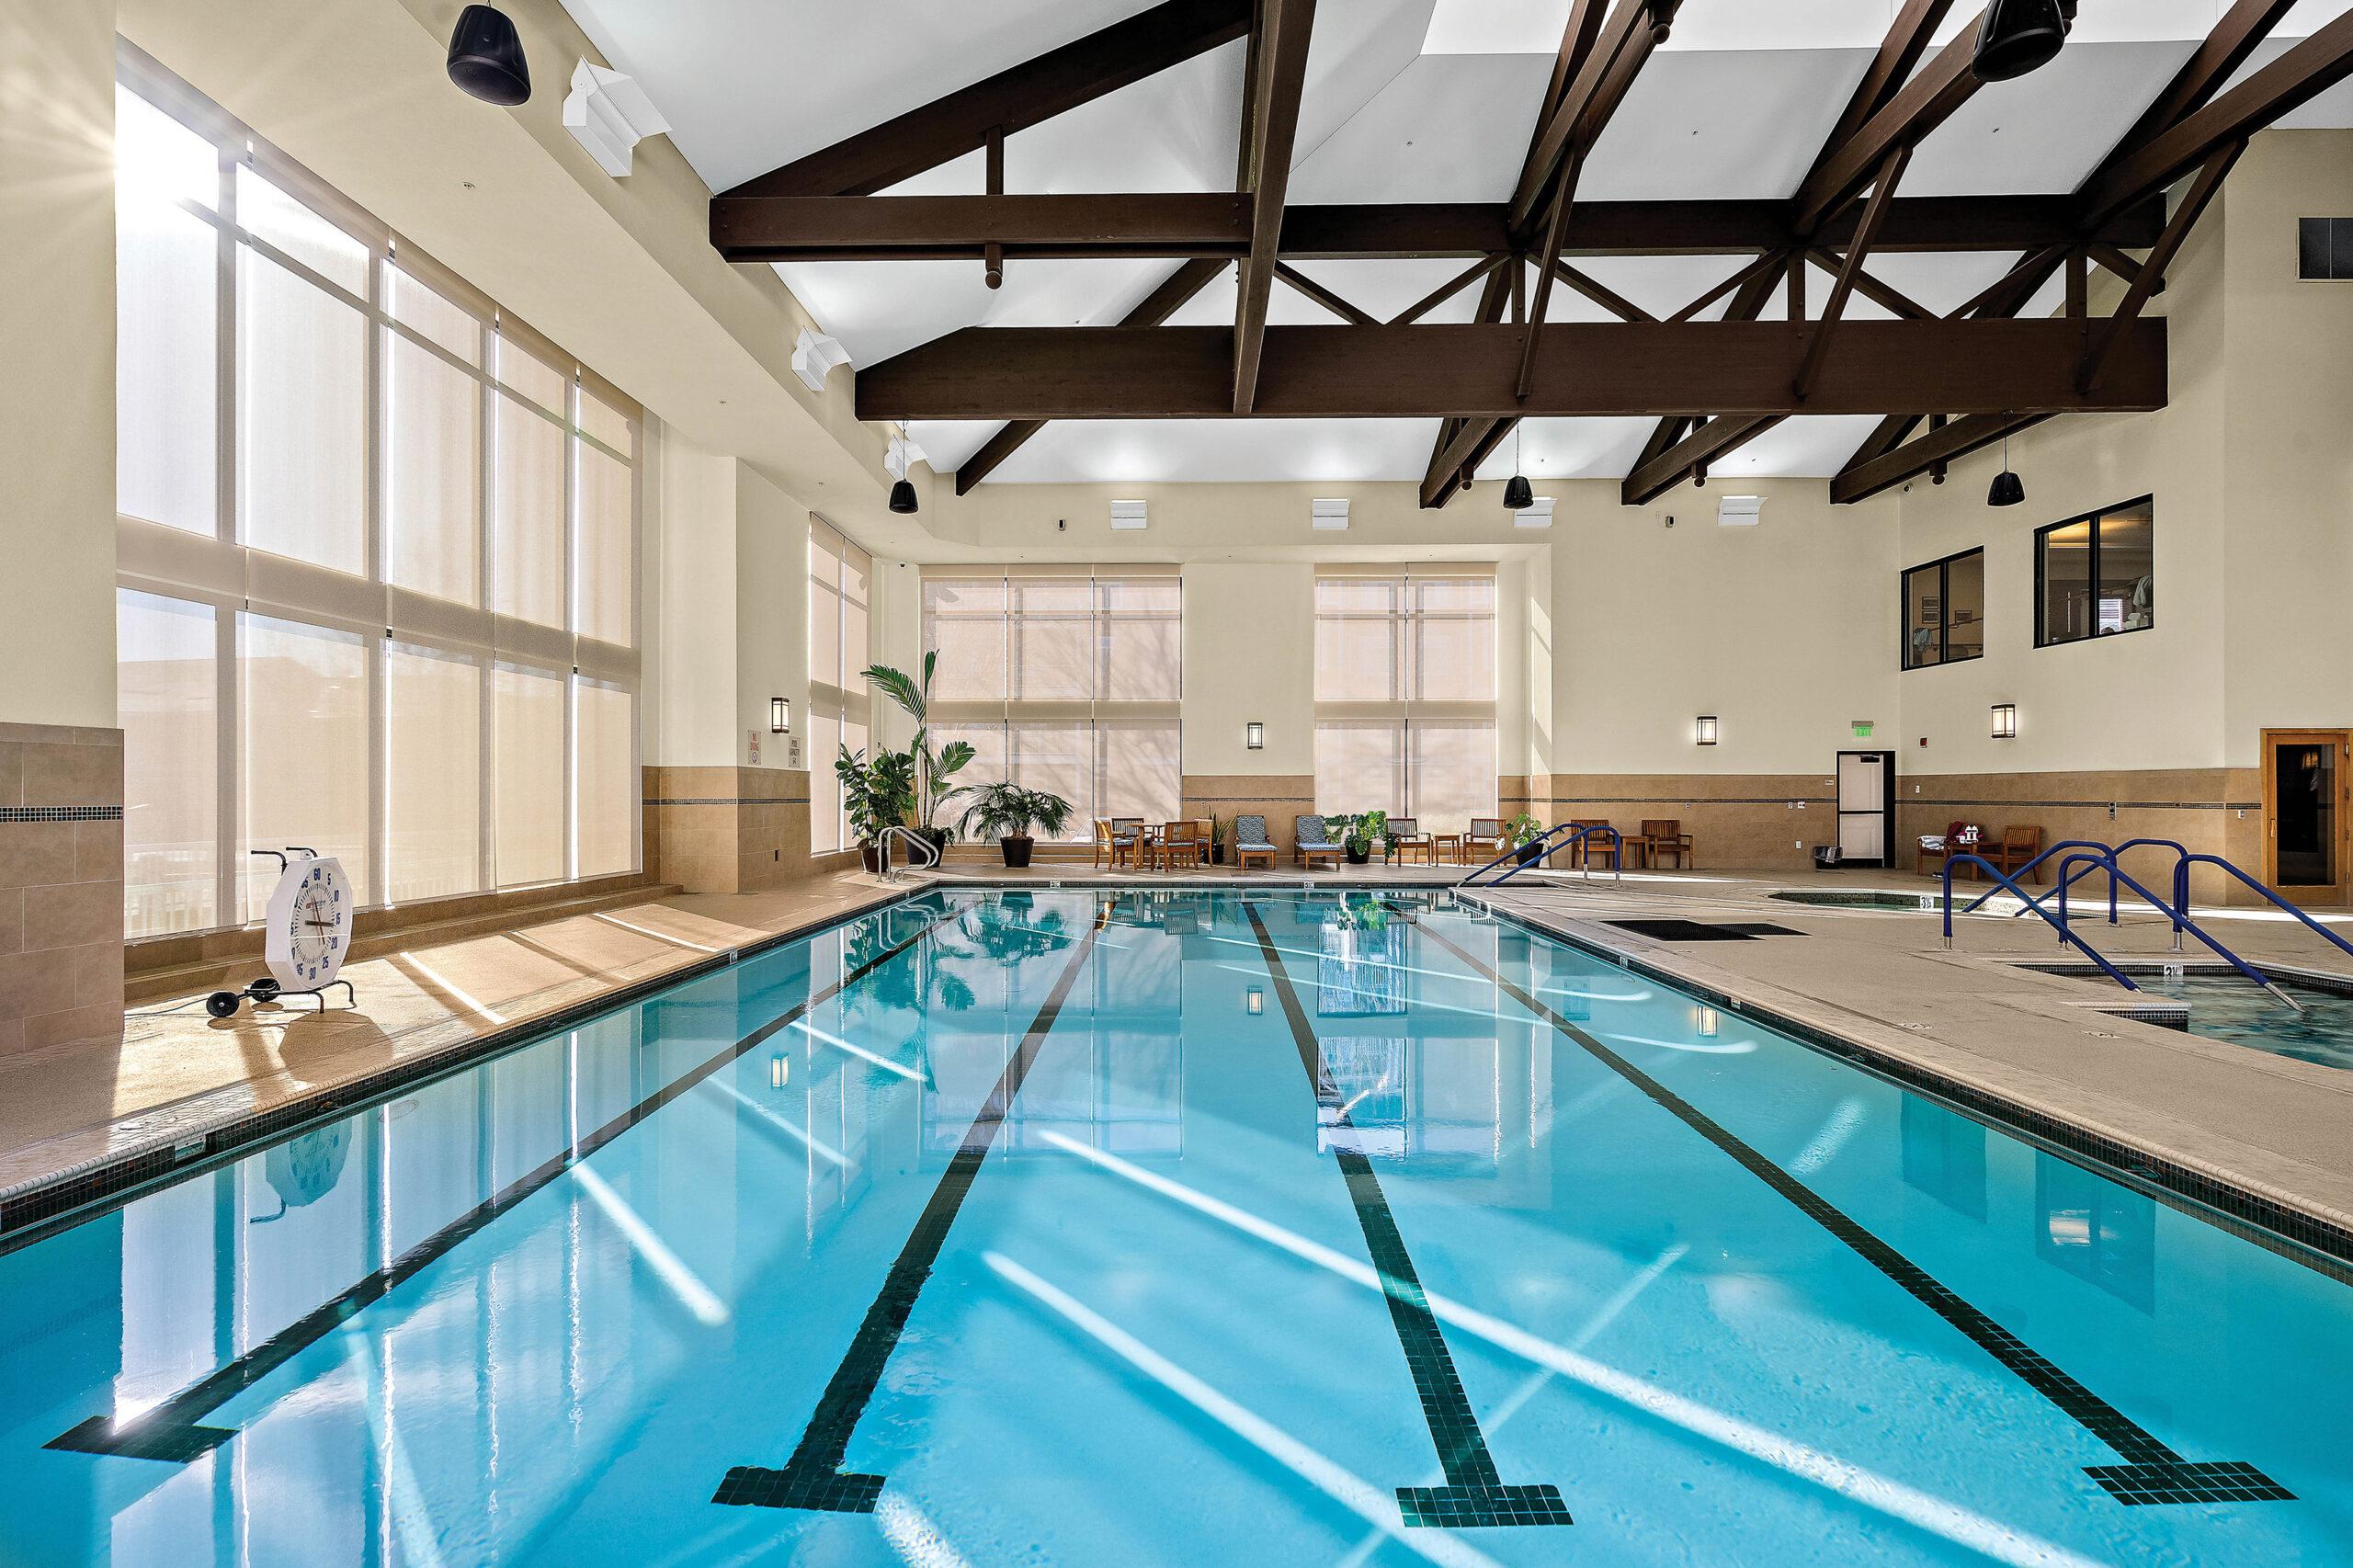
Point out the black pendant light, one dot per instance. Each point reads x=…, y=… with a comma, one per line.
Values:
x=486, y=57
x=1517, y=494
x=2017, y=36
x=2006, y=491
x=902, y=498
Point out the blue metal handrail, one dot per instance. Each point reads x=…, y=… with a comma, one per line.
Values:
x=2059, y=891
x=1575, y=834
x=2179, y=913
x=2065, y=936
x=2181, y=897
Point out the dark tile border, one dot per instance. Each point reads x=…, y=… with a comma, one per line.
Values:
x=2316, y=1243
x=30, y=1215
x=60, y=813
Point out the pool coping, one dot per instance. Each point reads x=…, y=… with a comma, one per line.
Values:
x=2300, y=1229
x=58, y=1201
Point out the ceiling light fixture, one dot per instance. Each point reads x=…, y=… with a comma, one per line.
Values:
x=609, y=113
x=814, y=358
x=486, y=57
x=2006, y=490
x=1517, y=495
x=2018, y=36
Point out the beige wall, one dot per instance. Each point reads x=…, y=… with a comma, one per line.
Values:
x=57, y=361
x=1249, y=653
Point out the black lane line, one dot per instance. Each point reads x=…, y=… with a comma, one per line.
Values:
x=1474, y=1493
x=172, y=1430
x=814, y=1477
x=2151, y=1473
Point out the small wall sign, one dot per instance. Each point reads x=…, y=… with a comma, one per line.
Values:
x=1862, y=728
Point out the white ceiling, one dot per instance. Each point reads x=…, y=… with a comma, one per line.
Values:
x=1406, y=100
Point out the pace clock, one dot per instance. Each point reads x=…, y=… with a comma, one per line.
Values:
x=306, y=931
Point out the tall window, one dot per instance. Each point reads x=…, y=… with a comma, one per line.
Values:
x=1944, y=610
x=1064, y=679
x=838, y=574
x=1405, y=693
x=2096, y=575
x=377, y=545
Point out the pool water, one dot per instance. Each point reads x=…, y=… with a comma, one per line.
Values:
x=2226, y=1006
x=1198, y=1228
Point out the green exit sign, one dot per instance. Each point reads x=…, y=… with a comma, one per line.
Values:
x=1862, y=728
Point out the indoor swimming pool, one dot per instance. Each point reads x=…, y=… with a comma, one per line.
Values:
x=1111, y=1226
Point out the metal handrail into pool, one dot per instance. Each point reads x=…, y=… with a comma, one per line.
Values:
x=883, y=844
x=1617, y=858
x=2178, y=913
x=2065, y=936
x=2181, y=894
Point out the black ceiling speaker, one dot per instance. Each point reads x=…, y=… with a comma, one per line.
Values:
x=2017, y=36
x=486, y=57
x=1518, y=496
x=902, y=498
x=2006, y=490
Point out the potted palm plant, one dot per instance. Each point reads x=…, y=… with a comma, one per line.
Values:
x=933, y=768
x=1358, y=833
x=1521, y=832
x=1006, y=813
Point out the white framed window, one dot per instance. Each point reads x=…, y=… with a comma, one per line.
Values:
x=376, y=547
x=840, y=578
x=1405, y=693
x=1064, y=678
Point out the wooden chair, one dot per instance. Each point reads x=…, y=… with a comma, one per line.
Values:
x=1205, y=840
x=2018, y=845
x=1113, y=847
x=1406, y=839
x=1250, y=843
x=1662, y=836
x=1177, y=847
x=1310, y=842
x=1583, y=850
x=1485, y=841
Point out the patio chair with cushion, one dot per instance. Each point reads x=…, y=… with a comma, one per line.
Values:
x=1178, y=846
x=1404, y=841
x=1250, y=843
x=1310, y=842
x=1662, y=836
x=1113, y=845
x=1204, y=840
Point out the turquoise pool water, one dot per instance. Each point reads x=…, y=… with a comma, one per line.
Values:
x=1198, y=1228
x=2226, y=1006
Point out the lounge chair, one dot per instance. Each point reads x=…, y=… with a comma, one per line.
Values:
x=1250, y=843
x=1312, y=843
x=1405, y=840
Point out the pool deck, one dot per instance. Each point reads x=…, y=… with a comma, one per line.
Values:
x=2263, y=1124
x=2269, y=1125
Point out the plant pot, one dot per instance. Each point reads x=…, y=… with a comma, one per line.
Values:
x=872, y=856
x=1530, y=853
x=1357, y=857
x=1016, y=851
x=935, y=836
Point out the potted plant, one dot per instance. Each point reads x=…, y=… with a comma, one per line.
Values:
x=1221, y=829
x=1358, y=833
x=1007, y=811
x=1521, y=832
x=876, y=794
x=934, y=768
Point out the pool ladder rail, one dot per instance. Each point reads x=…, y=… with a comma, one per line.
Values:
x=1545, y=839
x=2083, y=856
x=891, y=871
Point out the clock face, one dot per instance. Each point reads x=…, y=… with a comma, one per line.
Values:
x=307, y=930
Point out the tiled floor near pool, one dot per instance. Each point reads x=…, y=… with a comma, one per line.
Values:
x=1241, y=1226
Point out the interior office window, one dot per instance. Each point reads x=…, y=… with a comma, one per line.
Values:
x=168, y=675
x=1405, y=694
x=1944, y=610
x=2096, y=575
x=1066, y=680
x=839, y=578
x=398, y=716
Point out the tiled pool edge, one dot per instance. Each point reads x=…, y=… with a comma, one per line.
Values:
x=40, y=1205
x=2276, y=1220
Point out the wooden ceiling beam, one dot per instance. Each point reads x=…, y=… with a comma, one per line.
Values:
x=1448, y=290
x=1820, y=335
x=1918, y=107
x=1859, y=481
x=1012, y=100
x=2152, y=271
x=1691, y=455
x=1872, y=288
x=1152, y=310
x=1584, y=369
x=1308, y=288
x=1281, y=46
x=1627, y=29
x=2233, y=40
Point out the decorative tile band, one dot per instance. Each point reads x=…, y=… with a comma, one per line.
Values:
x=734, y=801
x=1671, y=800
x=60, y=813
x=2096, y=805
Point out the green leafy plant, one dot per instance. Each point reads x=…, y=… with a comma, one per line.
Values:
x=1522, y=831
x=934, y=768
x=1008, y=811
x=1359, y=832
x=877, y=793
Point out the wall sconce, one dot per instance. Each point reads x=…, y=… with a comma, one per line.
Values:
x=2006, y=721
x=1254, y=735
x=1708, y=1020
x=1704, y=730
x=1254, y=1002
x=779, y=1071
x=780, y=716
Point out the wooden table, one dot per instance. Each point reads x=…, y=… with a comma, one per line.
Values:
x=1447, y=847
